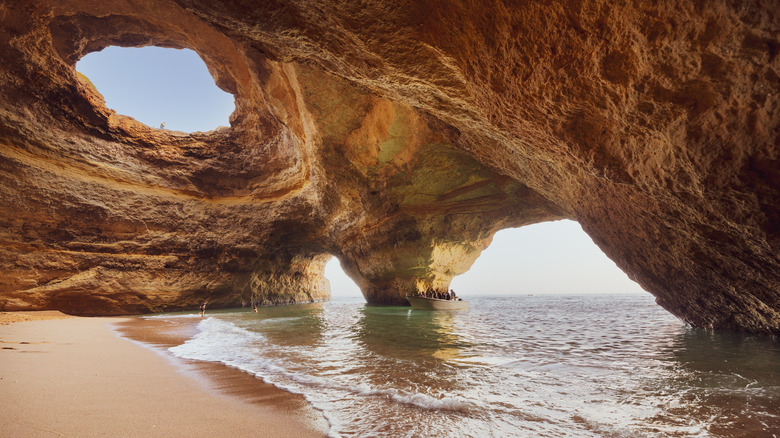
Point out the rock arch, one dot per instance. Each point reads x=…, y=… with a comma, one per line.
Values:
x=400, y=138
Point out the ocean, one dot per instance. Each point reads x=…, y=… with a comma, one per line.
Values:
x=511, y=366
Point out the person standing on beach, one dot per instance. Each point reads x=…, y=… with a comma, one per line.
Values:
x=203, y=308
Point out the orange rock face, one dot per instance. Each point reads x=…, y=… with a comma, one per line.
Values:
x=400, y=137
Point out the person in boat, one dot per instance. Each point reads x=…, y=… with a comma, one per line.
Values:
x=452, y=295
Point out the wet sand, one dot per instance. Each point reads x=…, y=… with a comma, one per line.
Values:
x=75, y=377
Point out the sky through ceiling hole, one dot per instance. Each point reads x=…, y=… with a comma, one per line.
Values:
x=155, y=85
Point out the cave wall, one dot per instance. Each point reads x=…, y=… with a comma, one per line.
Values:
x=399, y=137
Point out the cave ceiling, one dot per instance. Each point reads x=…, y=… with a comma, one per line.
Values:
x=399, y=137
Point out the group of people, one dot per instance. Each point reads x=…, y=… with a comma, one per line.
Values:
x=439, y=295
x=429, y=293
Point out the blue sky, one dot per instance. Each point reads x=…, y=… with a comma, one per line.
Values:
x=155, y=85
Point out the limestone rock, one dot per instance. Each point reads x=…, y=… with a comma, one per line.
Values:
x=399, y=137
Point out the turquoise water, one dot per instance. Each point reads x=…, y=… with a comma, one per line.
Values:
x=513, y=366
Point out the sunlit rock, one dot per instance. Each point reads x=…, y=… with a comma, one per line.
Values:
x=398, y=137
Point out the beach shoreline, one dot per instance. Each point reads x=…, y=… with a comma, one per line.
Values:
x=73, y=376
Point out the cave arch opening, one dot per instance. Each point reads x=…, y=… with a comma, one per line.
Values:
x=160, y=87
x=546, y=258
x=340, y=283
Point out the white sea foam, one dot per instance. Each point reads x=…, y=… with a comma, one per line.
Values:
x=217, y=341
x=540, y=377
x=172, y=316
x=422, y=400
x=223, y=341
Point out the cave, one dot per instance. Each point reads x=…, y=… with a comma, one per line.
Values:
x=399, y=138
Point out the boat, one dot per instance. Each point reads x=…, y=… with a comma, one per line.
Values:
x=423, y=303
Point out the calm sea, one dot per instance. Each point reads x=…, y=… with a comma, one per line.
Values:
x=511, y=366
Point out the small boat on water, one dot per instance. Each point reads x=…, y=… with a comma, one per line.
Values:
x=423, y=303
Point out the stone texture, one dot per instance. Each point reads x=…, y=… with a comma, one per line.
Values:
x=400, y=137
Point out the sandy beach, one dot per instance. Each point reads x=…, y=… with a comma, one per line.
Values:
x=68, y=376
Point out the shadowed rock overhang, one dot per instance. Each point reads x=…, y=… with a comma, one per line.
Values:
x=399, y=137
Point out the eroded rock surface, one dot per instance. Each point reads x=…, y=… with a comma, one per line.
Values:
x=399, y=137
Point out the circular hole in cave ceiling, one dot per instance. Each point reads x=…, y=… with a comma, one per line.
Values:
x=156, y=86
